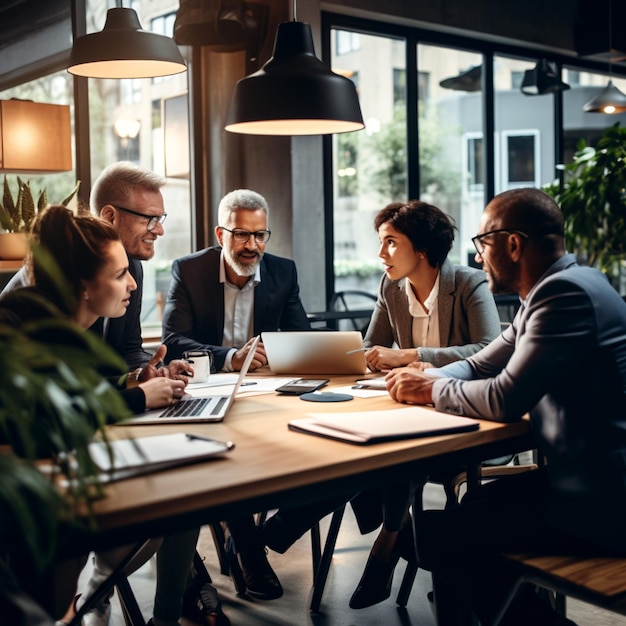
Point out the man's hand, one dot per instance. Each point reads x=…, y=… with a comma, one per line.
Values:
x=259, y=359
x=410, y=385
x=176, y=369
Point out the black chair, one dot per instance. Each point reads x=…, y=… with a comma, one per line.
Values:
x=353, y=300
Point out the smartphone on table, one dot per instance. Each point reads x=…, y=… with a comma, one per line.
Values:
x=298, y=386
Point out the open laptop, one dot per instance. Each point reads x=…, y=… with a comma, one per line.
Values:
x=209, y=409
x=315, y=352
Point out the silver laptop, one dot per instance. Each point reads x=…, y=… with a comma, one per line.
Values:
x=315, y=352
x=210, y=409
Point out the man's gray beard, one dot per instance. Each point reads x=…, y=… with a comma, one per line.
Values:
x=240, y=269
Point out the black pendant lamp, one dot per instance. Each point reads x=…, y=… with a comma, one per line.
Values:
x=542, y=79
x=610, y=100
x=122, y=49
x=294, y=93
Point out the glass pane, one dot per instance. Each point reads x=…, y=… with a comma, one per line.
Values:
x=450, y=134
x=369, y=166
x=524, y=124
x=136, y=120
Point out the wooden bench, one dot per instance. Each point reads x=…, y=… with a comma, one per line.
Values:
x=592, y=577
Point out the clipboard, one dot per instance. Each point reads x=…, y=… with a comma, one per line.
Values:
x=143, y=455
x=369, y=427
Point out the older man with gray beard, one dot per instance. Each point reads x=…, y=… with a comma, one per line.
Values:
x=222, y=297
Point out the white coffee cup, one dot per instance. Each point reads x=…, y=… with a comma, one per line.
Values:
x=201, y=361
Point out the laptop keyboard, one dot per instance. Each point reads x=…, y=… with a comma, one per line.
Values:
x=196, y=406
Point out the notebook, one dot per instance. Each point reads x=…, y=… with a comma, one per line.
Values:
x=209, y=409
x=315, y=352
x=375, y=426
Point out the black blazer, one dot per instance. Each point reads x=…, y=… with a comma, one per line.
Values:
x=193, y=318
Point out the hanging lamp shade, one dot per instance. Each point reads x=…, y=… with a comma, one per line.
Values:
x=294, y=93
x=542, y=79
x=609, y=100
x=122, y=49
x=469, y=80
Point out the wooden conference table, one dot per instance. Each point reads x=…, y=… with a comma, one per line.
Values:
x=271, y=466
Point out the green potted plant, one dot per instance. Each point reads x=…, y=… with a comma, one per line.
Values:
x=16, y=216
x=593, y=200
x=53, y=401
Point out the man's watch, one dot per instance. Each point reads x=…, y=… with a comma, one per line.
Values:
x=132, y=379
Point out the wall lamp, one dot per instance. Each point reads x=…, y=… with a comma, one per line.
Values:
x=122, y=49
x=34, y=137
x=542, y=79
x=294, y=93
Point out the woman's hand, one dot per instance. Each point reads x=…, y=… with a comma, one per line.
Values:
x=380, y=359
x=161, y=391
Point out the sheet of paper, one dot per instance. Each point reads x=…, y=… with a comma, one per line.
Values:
x=251, y=386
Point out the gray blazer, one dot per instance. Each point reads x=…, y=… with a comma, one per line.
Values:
x=468, y=316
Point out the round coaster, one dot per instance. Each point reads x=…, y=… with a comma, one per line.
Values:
x=326, y=396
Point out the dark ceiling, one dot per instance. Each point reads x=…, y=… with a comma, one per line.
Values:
x=20, y=17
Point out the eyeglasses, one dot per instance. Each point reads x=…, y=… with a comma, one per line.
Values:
x=153, y=220
x=243, y=236
x=478, y=240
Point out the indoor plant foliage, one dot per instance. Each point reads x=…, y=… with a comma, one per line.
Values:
x=593, y=200
x=16, y=215
x=53, y=400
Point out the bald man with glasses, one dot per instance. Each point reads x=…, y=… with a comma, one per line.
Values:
x=563, y=362
x=222, y=297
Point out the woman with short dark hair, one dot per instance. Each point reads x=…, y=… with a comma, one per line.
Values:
x=429, y=312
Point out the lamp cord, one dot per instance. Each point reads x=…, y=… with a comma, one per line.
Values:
x=610, y=39
x=295, y=18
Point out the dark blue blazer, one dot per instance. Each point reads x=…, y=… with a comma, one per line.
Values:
x=193, y=318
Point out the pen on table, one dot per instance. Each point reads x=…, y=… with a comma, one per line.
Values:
x=191, y=437
x=357, y=350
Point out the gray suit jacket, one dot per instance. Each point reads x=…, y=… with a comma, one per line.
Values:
x=468, y=317
x=563, y=360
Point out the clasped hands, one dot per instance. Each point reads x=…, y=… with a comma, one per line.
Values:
x=410, y=385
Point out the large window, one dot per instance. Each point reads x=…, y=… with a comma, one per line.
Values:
x=468, y=148
x=128, y=122
x=369, y=167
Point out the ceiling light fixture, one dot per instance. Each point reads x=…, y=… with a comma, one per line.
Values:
x=469, y=80
x=542, y=79
x=122, y=49
x=294, y=93
x=610, y=100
